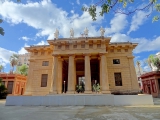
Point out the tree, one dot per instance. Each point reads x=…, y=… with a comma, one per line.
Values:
x=138, y=65
x=122, y=7
x=155, y=61
x=13, y=61
x=1, y=68
x=3, y=90
x=23, y=69
x=1, y=29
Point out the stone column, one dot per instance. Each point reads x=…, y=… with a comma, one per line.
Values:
x=134, y=82
x=53, y=89
x=59, y=80
x=104, y=74
x=28, y=89
x=87, y=74
x=71, y=75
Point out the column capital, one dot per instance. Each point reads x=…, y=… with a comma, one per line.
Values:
x=71, y=55
x=86, y=54
x=55, y=55
x=130, y=57
x=104, y=53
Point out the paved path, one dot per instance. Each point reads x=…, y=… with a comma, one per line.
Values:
x=79, y=112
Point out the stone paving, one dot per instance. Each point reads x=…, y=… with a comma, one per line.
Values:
x=79, y=112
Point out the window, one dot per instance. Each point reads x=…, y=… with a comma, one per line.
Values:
x=49, y=53
x=83, y=46
x=118, y=50
x=67, y=46
x=42, y=53
x=74, y=46
x=35, y=53
x=116, y=61
x=10, y=87
x=59, y=46
x=98, y=45
x=90, y=45
x=44, y=80
x=126, y=50
x=45, y=63
x=111, y=50
x=118, y=79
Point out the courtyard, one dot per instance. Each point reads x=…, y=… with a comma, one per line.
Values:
x=151, y=112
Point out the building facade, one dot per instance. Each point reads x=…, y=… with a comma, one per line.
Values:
x=23, y=59
x=15, y=83
x=151, y=83
x=67, y=62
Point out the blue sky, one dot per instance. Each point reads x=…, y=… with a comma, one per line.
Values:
x=34, y=21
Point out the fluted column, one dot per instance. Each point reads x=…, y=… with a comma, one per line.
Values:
x=29, y=88
x=104, y=74
x=87, y=74
x=71, y=75
x=53, y=89
x=134, y=83
x=59, y=80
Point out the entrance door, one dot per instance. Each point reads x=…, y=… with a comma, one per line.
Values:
x=22, y=91
x=149, y=90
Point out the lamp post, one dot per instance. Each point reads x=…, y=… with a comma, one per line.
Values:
x=64, y=87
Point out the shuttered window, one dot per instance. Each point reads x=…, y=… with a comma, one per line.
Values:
x=10, y=87
x=44, y=80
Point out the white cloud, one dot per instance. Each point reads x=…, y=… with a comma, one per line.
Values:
x=25, y=38
x=5, y=56
x=46, y=17
x=138, y=19
x=22, y=50
x=72, y=11
x=42, y=43
x=78, y=2
x=143, y=43
x=120, y=38
x=118, y=23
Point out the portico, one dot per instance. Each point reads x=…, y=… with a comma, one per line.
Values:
x=67, y=62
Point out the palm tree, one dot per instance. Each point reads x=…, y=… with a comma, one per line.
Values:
x=1, y=68
x=1, y=29
x=138, y=65
x=13, y=61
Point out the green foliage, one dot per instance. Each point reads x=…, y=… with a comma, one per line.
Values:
x=1, y=68
x=14, y=60
x=1, y=29
x=96, y=87
x=155, y=61
x=108, y=5
x=3, y=90
x=23, y=69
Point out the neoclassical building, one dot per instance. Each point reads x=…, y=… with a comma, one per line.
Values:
x=66, y=62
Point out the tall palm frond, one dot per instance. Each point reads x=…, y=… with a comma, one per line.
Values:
x=14, y=60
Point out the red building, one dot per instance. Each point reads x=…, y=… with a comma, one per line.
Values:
x=15, y=83
x=151, y=83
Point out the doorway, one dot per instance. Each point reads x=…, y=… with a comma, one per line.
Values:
x=65, y=76
x=95, y=79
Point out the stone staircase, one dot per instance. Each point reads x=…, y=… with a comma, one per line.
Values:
x=156, y=101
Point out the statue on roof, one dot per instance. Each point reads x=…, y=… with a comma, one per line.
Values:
x=102, y=31
x=56, y=34
x=71, y=33
x=86, y=32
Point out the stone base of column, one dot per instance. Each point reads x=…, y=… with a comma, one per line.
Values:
x=52, y=93
x=106, y=92
x=70, y=92
x=88, y=92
